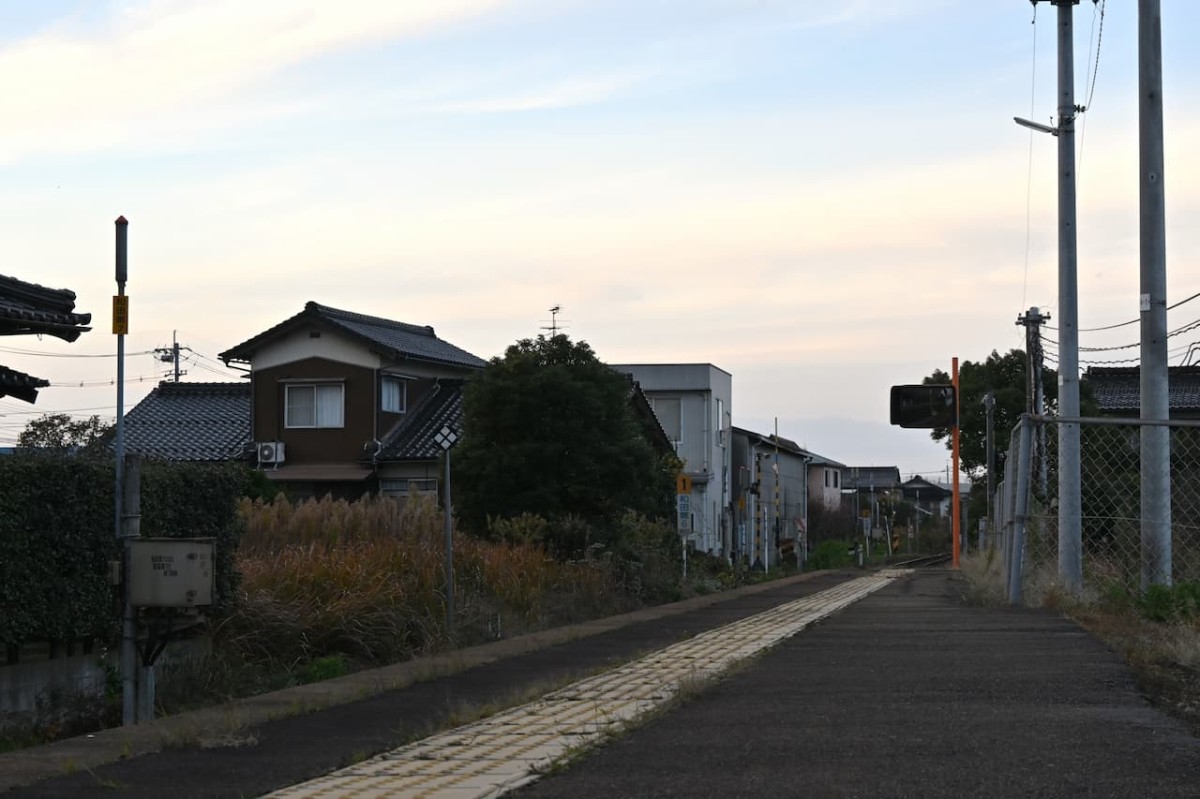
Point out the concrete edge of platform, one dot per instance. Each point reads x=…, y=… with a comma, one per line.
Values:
x=224, y=724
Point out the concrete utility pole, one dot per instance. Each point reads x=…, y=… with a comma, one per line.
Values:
x=1070, y=504
x=989, y=404
x=1156, y=438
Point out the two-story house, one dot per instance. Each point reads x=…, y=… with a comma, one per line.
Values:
x=693, y=404
x=347, y=404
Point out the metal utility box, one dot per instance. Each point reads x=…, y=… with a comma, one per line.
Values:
x=171, y=572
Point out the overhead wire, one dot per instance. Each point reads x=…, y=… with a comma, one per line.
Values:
x=1130, y=322
x=1029, y=172
x=1095, y=70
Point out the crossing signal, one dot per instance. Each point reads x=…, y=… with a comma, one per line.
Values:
x=924, y=406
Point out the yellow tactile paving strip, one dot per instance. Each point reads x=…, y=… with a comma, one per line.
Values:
x=495, y=755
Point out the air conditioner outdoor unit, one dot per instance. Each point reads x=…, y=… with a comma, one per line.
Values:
x=270, y=451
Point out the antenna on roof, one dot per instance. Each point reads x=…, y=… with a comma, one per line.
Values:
x=553, y=327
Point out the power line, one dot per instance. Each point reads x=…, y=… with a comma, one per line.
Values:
x=37, y=354
x=1029, y=174
x=1131, y=321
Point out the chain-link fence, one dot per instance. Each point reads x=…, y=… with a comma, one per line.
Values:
x=1027, y=503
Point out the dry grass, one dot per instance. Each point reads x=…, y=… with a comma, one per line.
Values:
x=366, y=580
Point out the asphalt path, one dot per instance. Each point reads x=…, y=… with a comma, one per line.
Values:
x=255, y=759
x=907, y=693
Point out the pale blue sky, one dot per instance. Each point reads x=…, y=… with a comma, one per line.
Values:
x=823, y=197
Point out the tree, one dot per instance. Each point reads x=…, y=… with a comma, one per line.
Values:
x=548, y=429
x=60, y=433
x=1005, y=376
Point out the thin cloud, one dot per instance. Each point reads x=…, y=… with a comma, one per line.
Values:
x=575, y=92
x=93, y=87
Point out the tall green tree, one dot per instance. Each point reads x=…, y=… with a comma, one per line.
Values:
x=549, y=429
x=1005, y=376
x=61, y=433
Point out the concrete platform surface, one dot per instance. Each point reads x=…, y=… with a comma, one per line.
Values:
x=906, y=692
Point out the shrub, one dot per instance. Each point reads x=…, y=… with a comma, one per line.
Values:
x=831, y=555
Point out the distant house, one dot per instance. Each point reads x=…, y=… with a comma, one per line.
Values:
x=866, y=487
x=931, y=497
x=692, y=402
x=347, y=404
x=770, y=497
x=27, y=309
x=825, y=481
x=1117, y=390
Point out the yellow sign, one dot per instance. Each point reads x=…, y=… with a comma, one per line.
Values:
x=683, y=484
x=121, y=315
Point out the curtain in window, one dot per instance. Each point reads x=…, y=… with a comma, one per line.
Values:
x=393, y=395
x=300, y=406
x=329, y=406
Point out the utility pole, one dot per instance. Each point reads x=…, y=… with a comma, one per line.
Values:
x=989, y=404
x=1070, y=505
x=171, y=354
x=1035, y=392
x=1156, y=438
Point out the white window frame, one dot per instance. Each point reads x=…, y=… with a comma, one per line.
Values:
x=402, y=394
x=327, y=417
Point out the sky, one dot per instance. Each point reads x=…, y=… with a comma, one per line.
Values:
x=822, y=197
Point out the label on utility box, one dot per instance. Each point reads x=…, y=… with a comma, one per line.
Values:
x=171, y=572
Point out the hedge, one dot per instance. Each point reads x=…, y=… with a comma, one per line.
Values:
x=57, y=538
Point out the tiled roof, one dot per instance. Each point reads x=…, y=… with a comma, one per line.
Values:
x=1117, y=389
x=413, y=438
x=881, y=477
x=398, y=339
x=27, y=308
x=20, y=385
x=191, y=422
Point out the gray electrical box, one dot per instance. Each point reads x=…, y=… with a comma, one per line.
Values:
x=171, y=572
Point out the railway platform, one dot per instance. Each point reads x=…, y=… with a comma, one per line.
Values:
x=834, y=684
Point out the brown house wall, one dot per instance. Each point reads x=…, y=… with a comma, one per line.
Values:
x=317, y=445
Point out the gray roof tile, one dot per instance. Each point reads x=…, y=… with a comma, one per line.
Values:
x=398, y=339
x=191, y=422
x=413, y=439
x=1117, y=389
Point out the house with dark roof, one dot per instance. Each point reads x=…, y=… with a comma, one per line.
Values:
x=347, y=404
x=1117, y=390
x=770, y=497
x=29, y=309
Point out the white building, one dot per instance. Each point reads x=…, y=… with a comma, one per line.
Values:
x=692, y=402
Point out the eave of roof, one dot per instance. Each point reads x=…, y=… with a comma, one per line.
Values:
x=27, y=308
x=413, y=438
x=20, y=385
x=400, y=340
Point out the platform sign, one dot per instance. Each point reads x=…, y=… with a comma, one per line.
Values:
x=120, y=315
x=683, y=484
x=684, y=506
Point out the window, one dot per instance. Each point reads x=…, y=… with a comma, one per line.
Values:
x=319, y=405
x=835, y=479
x=827, y=478
x=667, y=411
x=403, y=487
x=720, y=422
x=394, y=398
